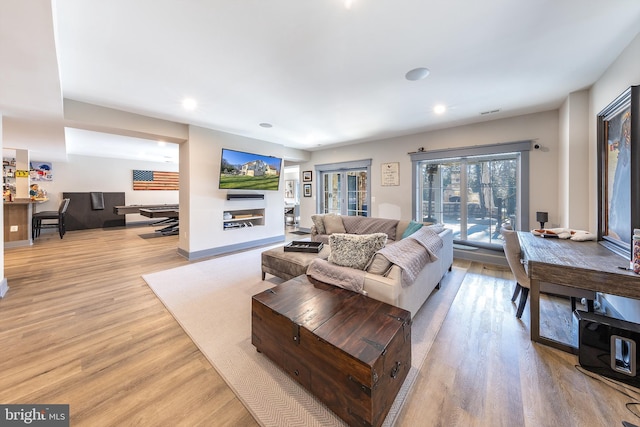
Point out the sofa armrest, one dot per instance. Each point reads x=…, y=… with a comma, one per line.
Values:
x=384, y=288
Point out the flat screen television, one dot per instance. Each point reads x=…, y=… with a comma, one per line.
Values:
x=247, y=171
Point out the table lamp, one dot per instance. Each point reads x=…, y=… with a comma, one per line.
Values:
x=542, y=217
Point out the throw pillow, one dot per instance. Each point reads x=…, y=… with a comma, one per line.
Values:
x=333, y=224
x=355, y=250
x=318, y=221
x=379, y=264
x=412, y=228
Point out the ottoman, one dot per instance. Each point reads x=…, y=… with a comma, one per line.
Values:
x=287, y=265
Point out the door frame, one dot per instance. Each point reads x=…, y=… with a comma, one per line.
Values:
x=364, y=164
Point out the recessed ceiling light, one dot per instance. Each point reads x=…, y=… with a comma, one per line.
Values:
x=189, y=104
x=348, y=4
x=439, y=109
x=417, y=74
x=266, y=125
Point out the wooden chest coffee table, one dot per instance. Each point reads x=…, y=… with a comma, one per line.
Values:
x=350, y=351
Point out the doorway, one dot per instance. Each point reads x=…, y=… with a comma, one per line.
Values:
x=345, y=192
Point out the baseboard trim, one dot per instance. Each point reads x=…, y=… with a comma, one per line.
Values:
x=481, y=255
x=4, y=287
x=224, y=250
x=17, y=244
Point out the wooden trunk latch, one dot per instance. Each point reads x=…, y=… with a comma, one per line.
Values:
x=296, y=333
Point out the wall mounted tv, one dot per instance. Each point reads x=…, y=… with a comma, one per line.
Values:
x=247, y=171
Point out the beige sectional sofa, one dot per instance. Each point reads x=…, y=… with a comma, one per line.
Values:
x=381, y=279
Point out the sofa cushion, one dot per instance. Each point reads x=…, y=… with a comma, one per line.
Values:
x=412, y=228
x=379, y=264
x=333, y=224
x=355, y=250
x=367, y=225
x=318, y=221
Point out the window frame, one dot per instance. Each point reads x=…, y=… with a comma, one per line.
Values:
x=523, y=147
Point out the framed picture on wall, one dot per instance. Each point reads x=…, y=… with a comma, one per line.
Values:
x=306, y=190
x=390, y=174
x=307, y=176
x=619, y=171
x=288, y=189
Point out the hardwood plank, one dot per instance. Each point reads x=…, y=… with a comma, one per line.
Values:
x=80, y=326
x=483, y=370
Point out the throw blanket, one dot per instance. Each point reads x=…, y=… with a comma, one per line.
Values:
x=368, y=225
x=412, y=253
x=337, y=275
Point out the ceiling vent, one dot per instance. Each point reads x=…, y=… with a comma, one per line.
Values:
x=484, y=113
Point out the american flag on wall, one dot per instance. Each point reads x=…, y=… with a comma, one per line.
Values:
x=154, y=180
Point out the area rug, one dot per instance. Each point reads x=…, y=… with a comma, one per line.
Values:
x=212, y=302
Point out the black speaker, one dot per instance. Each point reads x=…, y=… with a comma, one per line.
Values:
x=609, y=347
x=245, y=196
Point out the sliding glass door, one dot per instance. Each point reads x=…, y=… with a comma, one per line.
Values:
x=344, y=192
x=471, y=195
x=332, y=200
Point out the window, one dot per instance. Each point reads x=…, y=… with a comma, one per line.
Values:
x=473, y=190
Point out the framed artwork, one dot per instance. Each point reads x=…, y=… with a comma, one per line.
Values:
x=307, y=190
x=307, y=176
x=619, y=171
x=288, y=189
x=155, y=180
x=390, y=174
x=41, y=171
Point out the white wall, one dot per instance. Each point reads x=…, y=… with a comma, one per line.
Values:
x=573, y=158
x=396, y=202
x=3, y=279
x=86, y=173
x=202, y=206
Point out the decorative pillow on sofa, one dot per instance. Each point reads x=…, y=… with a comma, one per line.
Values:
x=412, y=228
x=333, y=224
x=379, y=264
x=355, y=250
x=318, y=221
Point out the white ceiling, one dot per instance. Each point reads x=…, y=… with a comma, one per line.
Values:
x=323, y=74
x=89, y=143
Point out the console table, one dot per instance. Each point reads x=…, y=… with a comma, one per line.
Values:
x=582, y=265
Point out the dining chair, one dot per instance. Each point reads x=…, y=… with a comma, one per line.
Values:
x=55, y=219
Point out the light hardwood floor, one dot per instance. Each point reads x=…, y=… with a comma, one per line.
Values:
x=80, y=326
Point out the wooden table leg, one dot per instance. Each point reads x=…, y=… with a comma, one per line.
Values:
x=534, y=307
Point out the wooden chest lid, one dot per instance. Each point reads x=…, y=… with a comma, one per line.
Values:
x=359, y=325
